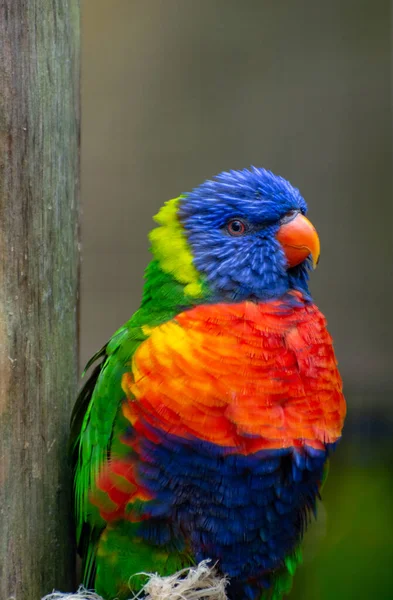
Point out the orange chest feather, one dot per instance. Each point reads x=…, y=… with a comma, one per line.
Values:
x=246, y=376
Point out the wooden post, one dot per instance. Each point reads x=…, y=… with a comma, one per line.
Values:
x=39, y=162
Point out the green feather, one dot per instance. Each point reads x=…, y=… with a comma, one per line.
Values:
x=97, y=420
x=127, y=554
x=101, y=399
x=172, y=284
x=282, y=580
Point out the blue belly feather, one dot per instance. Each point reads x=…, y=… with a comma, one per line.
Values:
x=247, y=513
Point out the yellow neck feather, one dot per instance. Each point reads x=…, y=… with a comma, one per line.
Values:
x=169, y=246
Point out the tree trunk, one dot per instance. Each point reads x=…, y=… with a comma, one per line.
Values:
x=39, y=171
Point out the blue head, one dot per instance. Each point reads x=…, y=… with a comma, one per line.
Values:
x=248, y=235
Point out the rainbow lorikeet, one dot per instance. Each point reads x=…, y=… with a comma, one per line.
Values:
x=204, y=430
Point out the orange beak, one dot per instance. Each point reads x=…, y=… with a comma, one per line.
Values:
x=299, y=239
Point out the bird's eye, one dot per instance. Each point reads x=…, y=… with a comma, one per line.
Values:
x=291, y=214
x=236, y=227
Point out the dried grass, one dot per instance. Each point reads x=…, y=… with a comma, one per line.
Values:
x=195, y=583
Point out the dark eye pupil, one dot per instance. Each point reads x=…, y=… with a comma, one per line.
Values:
x=236, y=226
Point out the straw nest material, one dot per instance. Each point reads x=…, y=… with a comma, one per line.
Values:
x=195, y=583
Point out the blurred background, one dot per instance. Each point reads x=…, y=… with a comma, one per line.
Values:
x=175, y=91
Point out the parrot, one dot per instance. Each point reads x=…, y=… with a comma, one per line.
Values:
x=205, y=428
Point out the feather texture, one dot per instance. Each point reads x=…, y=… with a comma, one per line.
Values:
x=205, y=429
x=219, y=461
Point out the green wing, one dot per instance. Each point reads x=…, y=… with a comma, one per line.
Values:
x=92, y=425
x=97, y=421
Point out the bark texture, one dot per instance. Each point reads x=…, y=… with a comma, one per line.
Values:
x=39, y=172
